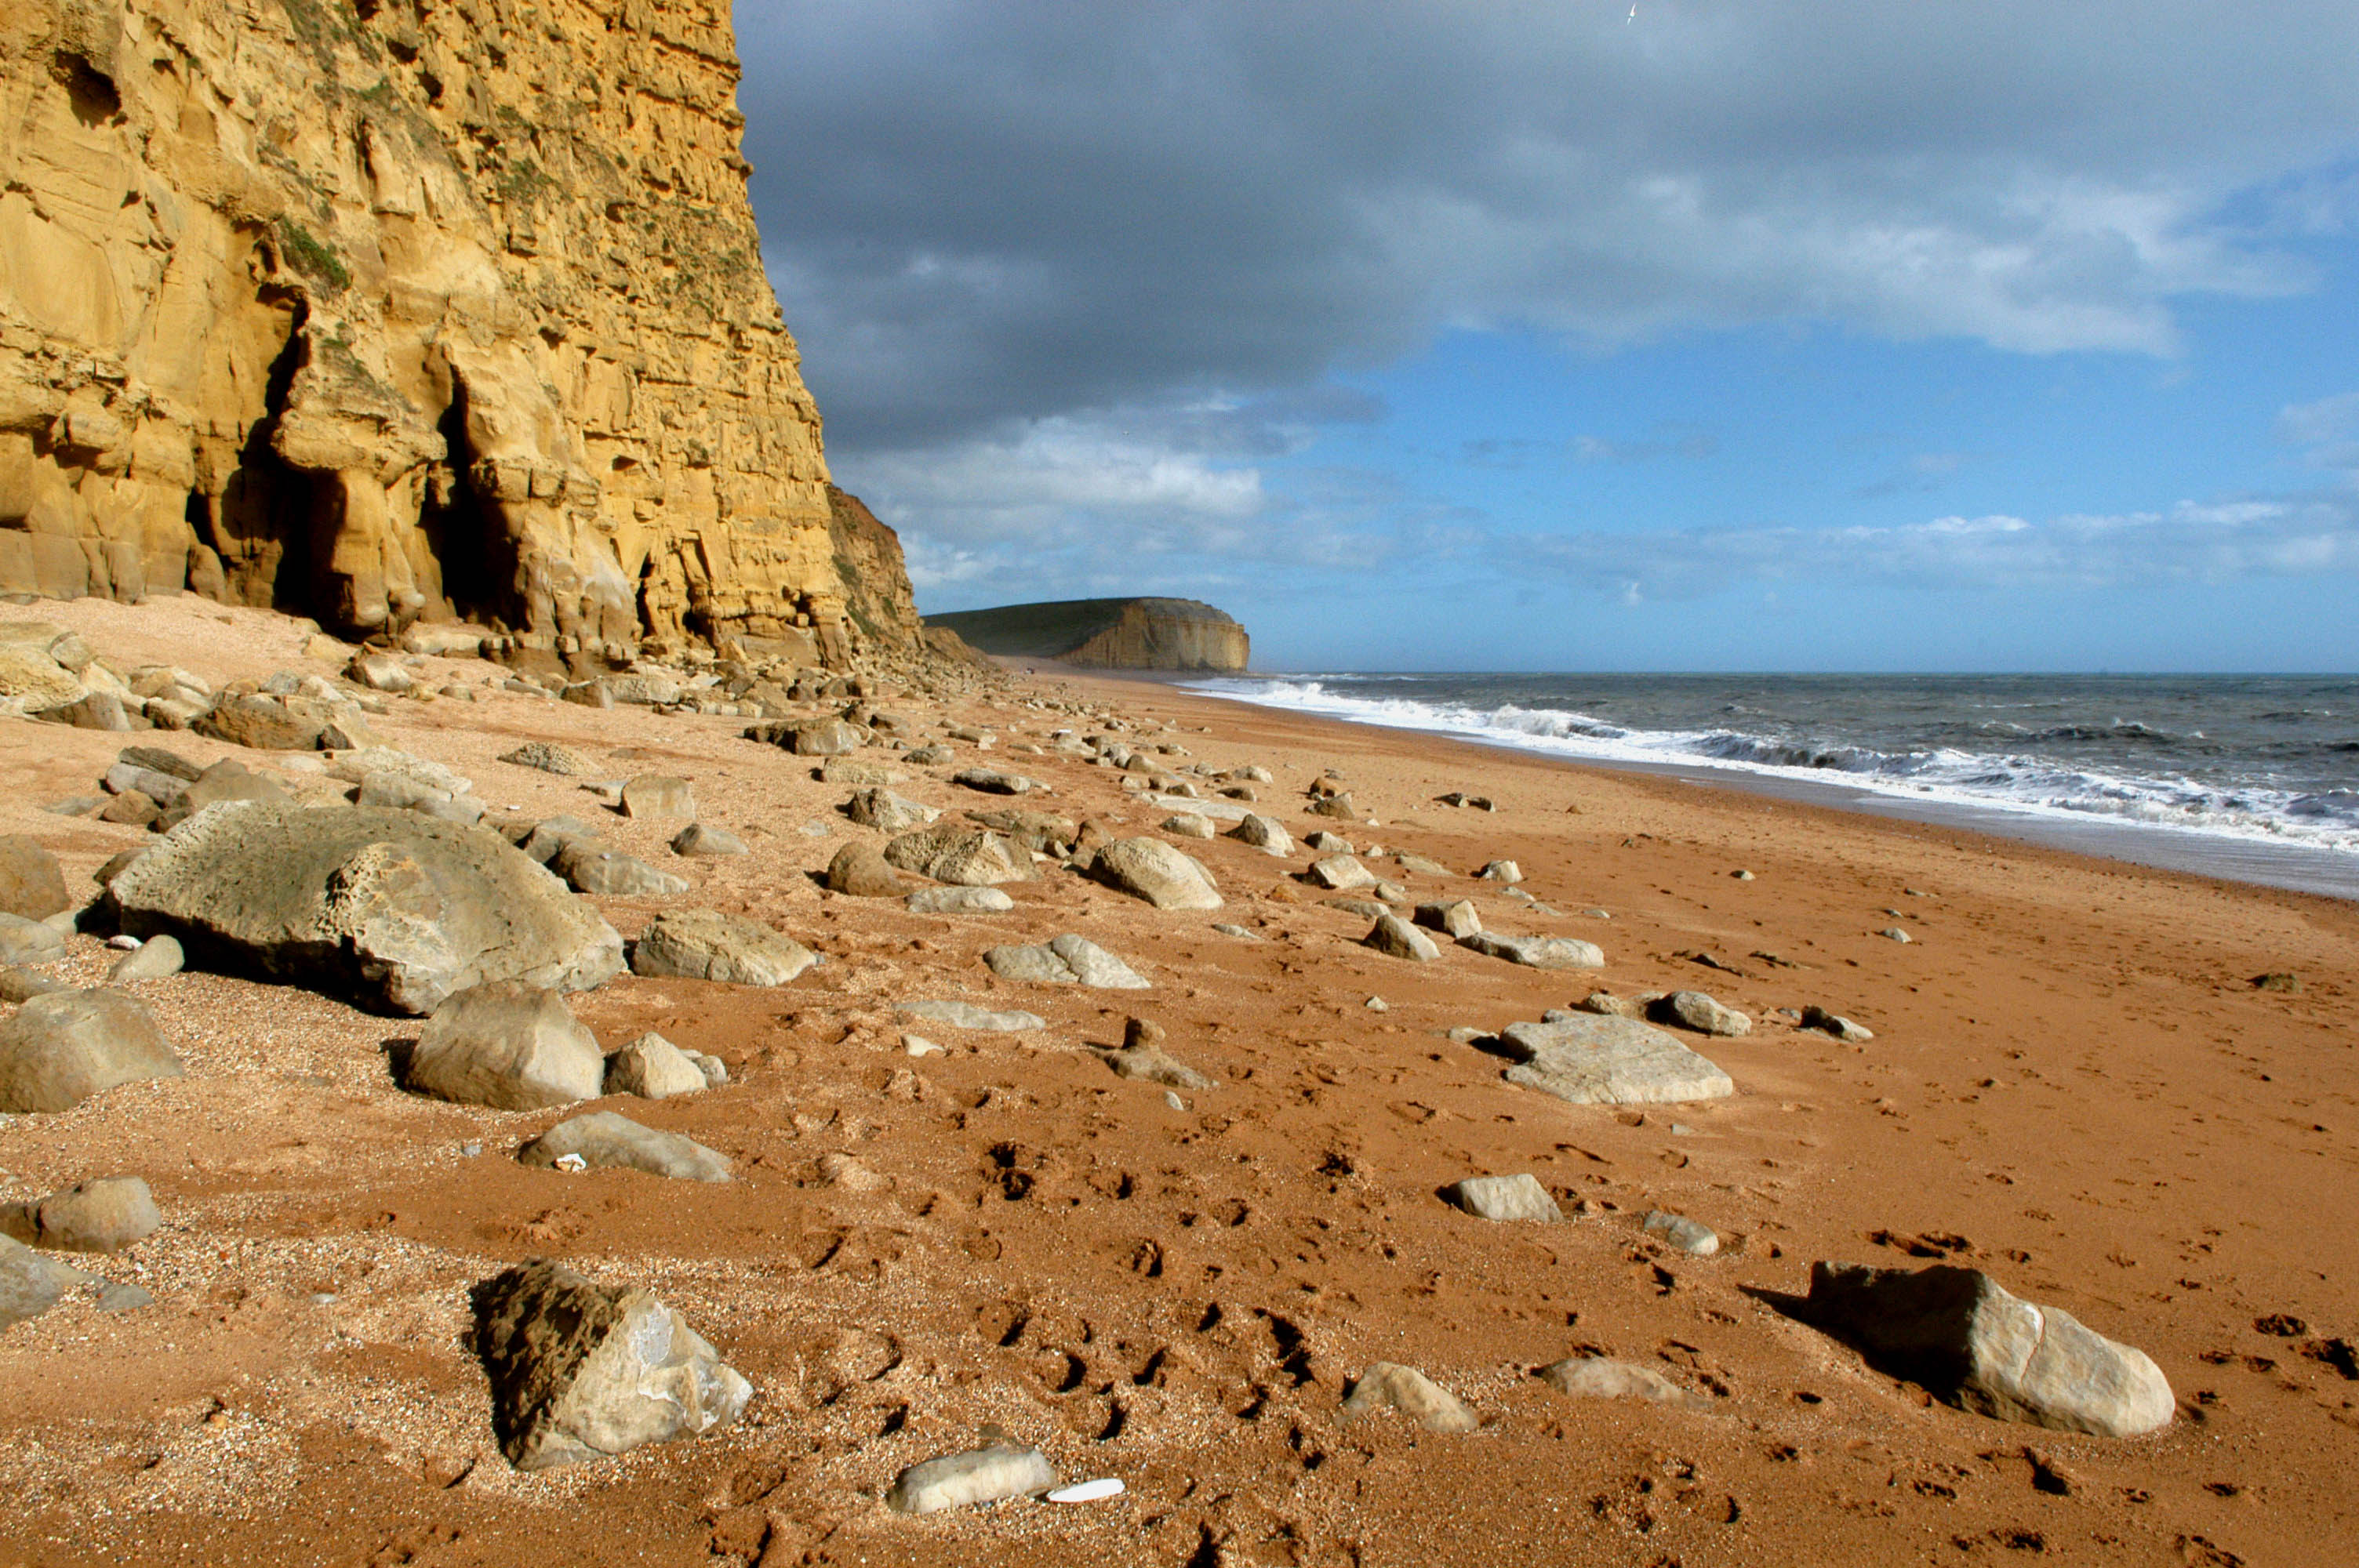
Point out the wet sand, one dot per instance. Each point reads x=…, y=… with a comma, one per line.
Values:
x=2073, y=1085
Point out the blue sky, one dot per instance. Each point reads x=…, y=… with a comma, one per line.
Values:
x=1527, y=337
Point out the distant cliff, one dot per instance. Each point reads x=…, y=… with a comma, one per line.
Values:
x=1108, y=633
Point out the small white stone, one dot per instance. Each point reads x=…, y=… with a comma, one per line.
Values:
x=1095, y=1491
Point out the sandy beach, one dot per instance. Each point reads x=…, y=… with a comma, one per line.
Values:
x=2073, y=1084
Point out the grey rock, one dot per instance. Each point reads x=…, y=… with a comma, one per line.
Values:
x=1610, y=1061
x=544, y=839
x=697, y=839
x=92, y=710
x=64, y=1047
x=24, y=941
x=812, y=737
x=1689, y=1236
x=1263, y=833
x=161, y=759
x=1218, y=810
x=652, y=1068
x=153, y=959
x=1094, y=967
x=1030, y=966
x=960, y=901
x=1389, y=1384
x=582, y=1371
x=888, y=812
x=1030, y=829
x=27, y=1288
x=1600, y=1378
x=1538, y=952
x=399, y=908
x=1340, y=806
x=1606, y=1004
x=966, y=1016
x=604, y=1139
x=1503, y=1198
x=1339, y=873
x=1156, y=871
x=31, y=884
x=704, y=945
x=1240, y=932
x=101, y=1216
x=990, y=781
x=551, y=758
x=965, y=856
x=964, y=1480
x=1501, y=871
x=1397, y=938
x=861, y=870
x=1327, y=843
x=507, y=1046
x=1151, y=1064
x=125, y=778
x=1961, y=1335
x=1894, y=933
x=866, y=775
x=658, y=795
x=1189, y=824
x=1366, y=908
x=398, y=792
x=1418, y=865
x=927, y=756
x=610, y=873
x=262, y=723
x=1700, y=1013
x=115, y=1296
x=1455, y=919
x=1841, y=1028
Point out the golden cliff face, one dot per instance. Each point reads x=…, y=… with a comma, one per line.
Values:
x=397, y=310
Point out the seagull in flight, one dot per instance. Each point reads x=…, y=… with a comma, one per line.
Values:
x=1633, y=15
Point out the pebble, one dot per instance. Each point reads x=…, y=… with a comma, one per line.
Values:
x=1894, y=933
x=1239, y=932
x=1377, y=1004
x=1089, y=1491
x=1687, y=1235
x=123, y=944
x=1742, y=876
x=1171, y=1097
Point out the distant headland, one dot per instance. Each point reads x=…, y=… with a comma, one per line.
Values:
x=1108, y=633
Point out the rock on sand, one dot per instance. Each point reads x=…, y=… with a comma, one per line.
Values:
x=1610, y=1061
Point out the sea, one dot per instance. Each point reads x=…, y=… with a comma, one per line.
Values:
x=2254, y=778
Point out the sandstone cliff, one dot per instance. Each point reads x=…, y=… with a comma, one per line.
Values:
x=1108, y=633
x=391, y=309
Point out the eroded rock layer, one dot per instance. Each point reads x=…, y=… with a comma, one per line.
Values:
x=392, y=309
x=1107, y=634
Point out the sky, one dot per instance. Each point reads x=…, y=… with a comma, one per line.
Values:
x=1724, y=335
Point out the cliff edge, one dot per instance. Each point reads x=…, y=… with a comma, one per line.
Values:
x=1108, y=633
x=408, y=309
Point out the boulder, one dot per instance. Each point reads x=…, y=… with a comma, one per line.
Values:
x=811, y=737
x=580, y=1370
x=543, y=839
x=28, y=1286
x=94, y=711
x=509, y=1045
x=1156, y=871
x=603, y=1138
x=1339, y=873
x=652, y=1068
x=1609, y=1061
x=658, y=795
x=704, y=945
x=1189, y=824
x=961, y=1480
x=610, y=873
x=31, y=885
x=1388, y=1385
x=960, y=901
x=101, y=1216
x=24, y=941
x=66, y=1046
x=861, y=870
x=696, y=838
x=1957, y=1332
x=1599, y=1377
x=1536, y=952
x=1699, y=1011
x=1397, y=938
x=966, y=857
x=400, y=909
x=887, y=812
x=154, y=959
x=263, y=724
x=551, y=758
x=1263, y=833
x=1503, y=1198
x=966, y=1016
x=1455, y=919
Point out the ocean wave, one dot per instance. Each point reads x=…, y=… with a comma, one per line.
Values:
x=2011, y=775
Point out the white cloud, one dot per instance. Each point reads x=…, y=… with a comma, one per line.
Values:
x=2328, y=429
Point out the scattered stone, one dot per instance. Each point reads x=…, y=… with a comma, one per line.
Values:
x=1455, y=919
x=888, y=812
x=1501, y=871
x=1189, y=824
x=1689, y=1236
x=918, y=1046
x=812, y=737
x=606, y=1139
x=658, y=795
x=652, y=1068
x=63, y=1047
x=960, y=901
x=103, y=1215
x=966, y=1016
x=1503, y=1198
x=1366, y=908
x=27, y=1288
x=1328, y=843
x=1065, y=960
x=582, y=1371
x=21, y=985
x=1841, y=1028
x=1377, y=1004
x=1599, y=1377
x=1411, y=1392
x=964, y=857
x=1042, y=830
x=1609, y=1061
x=1156, y=871
x=2277, y=980
x=697, y=839
x=1538, y=952
x=1700, y=1013
x=853, y=1175
x=1339, y=873
x=1961, y=1335
x=1263, y=833
x=509, y=1045
x=24, y=941
x=153, y=959
x=1894, y=933
x=1606, y=1004
x=928, y=756
x=704, y=945
x=1397, y=938
x=1471, y=802
x=990, y=781
x=261, y=723
x=1239, y=932
x=543, y=839
x=961, y=1480
x=399, y=908
x=610, y=873
x=31, y=885
x=868, y=775
x=1338, y=806
x=1418, y=865
x=396, y=792
x=861, y=870
x=132, y=808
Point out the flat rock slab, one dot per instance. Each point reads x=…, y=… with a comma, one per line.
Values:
x=1218, y=810
x=962, y=855
x=605, y=1139
x=1389, y=1386
x=610, y=873
x=1536, y=952
x=551, y=758
x=398, y=909
x=964, y=1480
x=960, y=901
x=1504, y=1198
x=1339, y=873
x=1601, y=1377
x=1067, y=960
x=966, y=1016
x=507, y=1046
x=65, y=1046
x=1610, y=1061
x=704, y=945
x=580, y=1370
x=1959, y=1334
